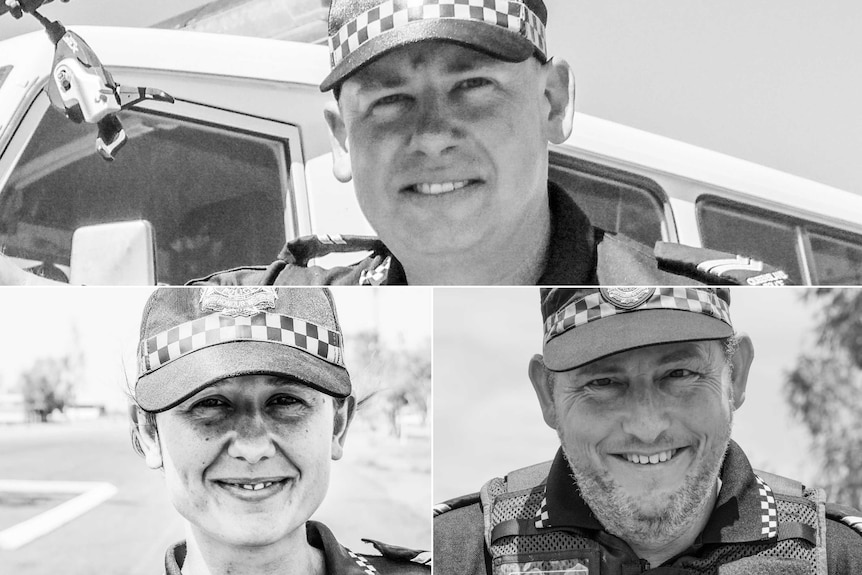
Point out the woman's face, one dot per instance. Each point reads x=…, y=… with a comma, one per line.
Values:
x=246, y=460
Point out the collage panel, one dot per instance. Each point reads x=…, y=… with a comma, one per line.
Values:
x=284, y=428
x=594, y=430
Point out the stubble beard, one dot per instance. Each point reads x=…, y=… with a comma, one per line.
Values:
x=623, y=515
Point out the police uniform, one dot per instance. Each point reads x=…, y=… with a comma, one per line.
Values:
x=339, y=560
x=761, y=523
x=579, y=254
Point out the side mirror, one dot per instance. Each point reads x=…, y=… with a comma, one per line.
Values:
x=119, y=253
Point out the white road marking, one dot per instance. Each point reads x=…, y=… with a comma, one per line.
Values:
x=91, y=494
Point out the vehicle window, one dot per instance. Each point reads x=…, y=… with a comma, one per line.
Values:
x=836, y=261
x=214, y=196
x=612, y=199
x=740, y=230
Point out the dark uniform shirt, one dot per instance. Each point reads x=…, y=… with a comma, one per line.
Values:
x=579, y=254
x=736, y=520
x=338, y=559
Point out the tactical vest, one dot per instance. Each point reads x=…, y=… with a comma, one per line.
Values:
x=519, y=544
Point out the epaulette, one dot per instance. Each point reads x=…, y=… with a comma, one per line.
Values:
x=713, y=267
x=300, y=251
x=456, y=503
x=401, y=554
x=849, y=516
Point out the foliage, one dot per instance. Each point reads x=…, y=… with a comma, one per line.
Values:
x=825, y=391
x=48, y=385
x=392, y=380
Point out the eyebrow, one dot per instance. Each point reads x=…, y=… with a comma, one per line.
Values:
x=388, y=78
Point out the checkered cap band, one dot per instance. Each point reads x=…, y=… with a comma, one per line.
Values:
x=594, y=307
x=215, y=328
x=511, y=15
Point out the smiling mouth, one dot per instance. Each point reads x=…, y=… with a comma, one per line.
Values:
x=653, y=459
x=253, y=486
x=437, y=188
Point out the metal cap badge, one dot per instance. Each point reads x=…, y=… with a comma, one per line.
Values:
x=194, y=337
x=586, y=324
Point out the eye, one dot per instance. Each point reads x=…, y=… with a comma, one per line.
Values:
x=286, y=401
x=392, y=99
x=681, y=372
x=210, y=403
x=602, y=382
x=473, y=83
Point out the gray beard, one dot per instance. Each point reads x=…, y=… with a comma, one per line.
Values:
x=621, y=514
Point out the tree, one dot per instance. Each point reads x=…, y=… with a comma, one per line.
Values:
x=825, y=391
x=48, y=385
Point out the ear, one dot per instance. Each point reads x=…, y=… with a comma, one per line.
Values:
x=741, y=365
x=340, y=423
x=338, y=142
x=541, y=378
x=148, y=437
x=560, y=93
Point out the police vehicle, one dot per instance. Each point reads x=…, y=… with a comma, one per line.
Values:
x=235, y=160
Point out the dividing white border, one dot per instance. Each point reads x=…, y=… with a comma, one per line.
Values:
x=92, y=494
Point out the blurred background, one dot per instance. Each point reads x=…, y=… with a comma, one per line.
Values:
x=800, y=417
x=68, y=358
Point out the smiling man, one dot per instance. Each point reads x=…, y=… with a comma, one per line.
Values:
x=641, y=386
x=442, y=117
x=242, y=402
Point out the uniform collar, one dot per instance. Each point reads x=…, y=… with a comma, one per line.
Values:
x=339, y=560
x=737, y=516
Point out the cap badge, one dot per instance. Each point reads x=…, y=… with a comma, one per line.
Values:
x=626, y=297
x=238, y=301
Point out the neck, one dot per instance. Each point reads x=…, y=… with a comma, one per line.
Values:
x=657, y=554
x=293, y=554
x=514, y=257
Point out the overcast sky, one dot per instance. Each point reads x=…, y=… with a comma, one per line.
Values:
x=777, y=82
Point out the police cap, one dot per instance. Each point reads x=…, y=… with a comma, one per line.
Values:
x=193, y=337
x=361, y=31
x=583, y=325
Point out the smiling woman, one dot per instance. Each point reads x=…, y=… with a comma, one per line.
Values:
x=242, y=401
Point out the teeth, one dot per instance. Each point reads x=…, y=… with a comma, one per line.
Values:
x=441, y=188
x=256, y=486
x=650, y=459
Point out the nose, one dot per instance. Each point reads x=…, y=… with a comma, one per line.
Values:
x=646, y=417
x=434, y=131
x=251, y=441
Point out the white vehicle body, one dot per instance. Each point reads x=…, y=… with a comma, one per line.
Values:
x=242, y=99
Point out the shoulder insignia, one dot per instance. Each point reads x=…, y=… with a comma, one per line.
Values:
x=456, y=503
x=715, y=267
x=396, y=553
x=300, y=251
x=849, y=516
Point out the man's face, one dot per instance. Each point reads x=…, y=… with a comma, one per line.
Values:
x=645, y=432
x=247, y=460
x=448, y=146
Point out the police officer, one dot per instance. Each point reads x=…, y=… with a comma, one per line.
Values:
x=641, y=385
x=443, y=114
x=242, y=401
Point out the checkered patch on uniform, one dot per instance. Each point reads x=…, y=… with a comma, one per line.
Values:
x=512, y=15
x=363, y=563
x=542, y=514
x=215, y=328
x=769, y=510
x=594, y=307
x=376, y=277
